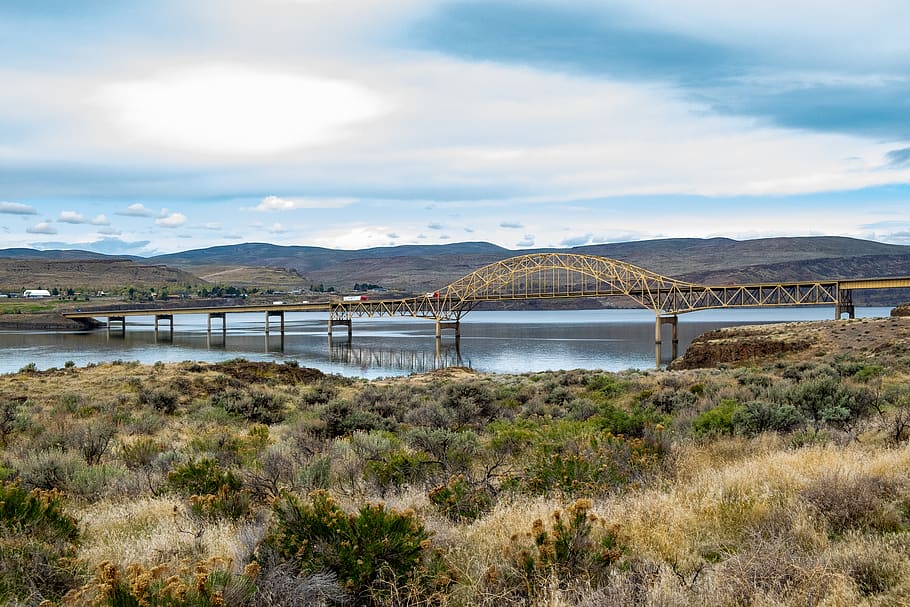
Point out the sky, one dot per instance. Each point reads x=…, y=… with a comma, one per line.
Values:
x=135, y=127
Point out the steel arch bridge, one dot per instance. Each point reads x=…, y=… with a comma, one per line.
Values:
x=545, y=276
x=570, y=275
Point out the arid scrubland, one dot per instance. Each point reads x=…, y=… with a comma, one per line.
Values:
x=239, y=483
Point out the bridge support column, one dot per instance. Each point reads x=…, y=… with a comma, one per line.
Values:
x=170, y=319
x=121, y=320
x=442, y=324
x=844, y=304
x=659, y=322
x=208, y=333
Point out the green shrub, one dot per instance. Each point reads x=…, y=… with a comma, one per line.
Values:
x=204, y=477
x=342, y=417
x=607, y=386
x=96, y=480
x=627, y=423
x=37, y=546
x=92, y=440
x=319, y=393
x=716, y=421
x=141, y=452
x=472, y=403
x=459, y=500
x=569, y=550
x=256, y=404
x=867, y=373
x=49, y=469
x=163, y=400
x=756, y=417
x=825, y=400
x=453, y=452
x=397, y=468
x=38, y=512
x=360, y=548
x=9, y=413
x=670, y=401
x=586, y=463
x=226, y=503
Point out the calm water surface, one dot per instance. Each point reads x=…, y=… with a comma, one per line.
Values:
x=507, y=342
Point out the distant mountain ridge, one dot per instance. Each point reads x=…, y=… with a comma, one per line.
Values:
x=425, y=267
x=305, y=258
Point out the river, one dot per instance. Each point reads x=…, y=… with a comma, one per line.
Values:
x=505, y=342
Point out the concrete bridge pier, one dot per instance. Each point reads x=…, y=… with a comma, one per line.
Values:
x=167, y=317
x=443, y=324
x=111, y=320
x=844, y=304
x=660, y=321
x=347, y=321
x=269, y=314
x=208, y=332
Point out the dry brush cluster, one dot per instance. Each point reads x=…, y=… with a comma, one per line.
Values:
x=265, y=484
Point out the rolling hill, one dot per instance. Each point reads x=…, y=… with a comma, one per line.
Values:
x=416, y=268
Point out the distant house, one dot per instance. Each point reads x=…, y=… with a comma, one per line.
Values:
x=36, y=293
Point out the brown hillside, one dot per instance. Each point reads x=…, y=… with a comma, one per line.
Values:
x=88, y=275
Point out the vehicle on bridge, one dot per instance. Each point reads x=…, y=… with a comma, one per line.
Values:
x=354, y=298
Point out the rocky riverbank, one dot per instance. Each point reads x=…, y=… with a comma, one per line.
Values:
x=795, y=341
x=901, y=310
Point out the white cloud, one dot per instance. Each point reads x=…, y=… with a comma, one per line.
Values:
x=71, y=217
x=355, y=237
x=235, y=110
x=109, y=232
x=276, y=203
x=277, y=228
x=171, y=220
x=100, y=220
x=41, y=228
x=136, y=210
x=17, y=208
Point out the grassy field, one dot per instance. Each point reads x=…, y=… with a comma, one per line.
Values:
x=266, y=484
x=21, y=306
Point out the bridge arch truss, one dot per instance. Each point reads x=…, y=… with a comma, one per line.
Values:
x=570, y=275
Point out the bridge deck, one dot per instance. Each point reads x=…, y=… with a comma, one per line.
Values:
x=95, y=313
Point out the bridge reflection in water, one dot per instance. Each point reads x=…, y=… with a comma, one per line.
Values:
x=415, y=361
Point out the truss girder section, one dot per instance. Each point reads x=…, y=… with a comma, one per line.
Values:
x=762, y=295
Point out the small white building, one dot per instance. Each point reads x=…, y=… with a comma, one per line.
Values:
x=36, y=293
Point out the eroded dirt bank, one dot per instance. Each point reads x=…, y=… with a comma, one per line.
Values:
x=882, y=337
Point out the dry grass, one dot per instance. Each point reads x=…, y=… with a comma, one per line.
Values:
x=729, y=521
x=151, y=531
